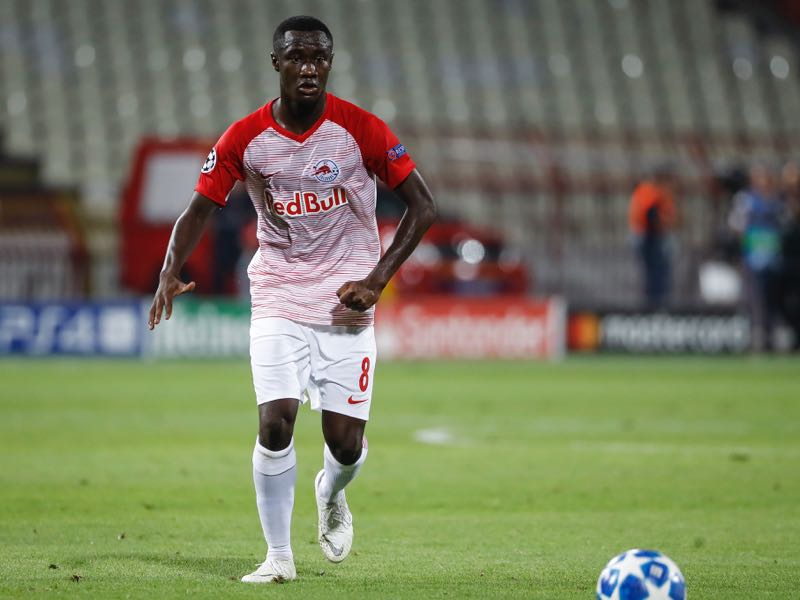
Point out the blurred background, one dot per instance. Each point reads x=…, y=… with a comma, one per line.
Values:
x=613, y=175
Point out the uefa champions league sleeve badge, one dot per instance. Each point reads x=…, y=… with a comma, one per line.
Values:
x=211, y=162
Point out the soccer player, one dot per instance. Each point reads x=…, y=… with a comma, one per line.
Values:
x=309, y=161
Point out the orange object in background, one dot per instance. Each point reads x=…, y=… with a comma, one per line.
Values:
x=583, y=332
x=646, y=196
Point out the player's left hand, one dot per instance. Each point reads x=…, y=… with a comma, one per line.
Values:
x=359, y=295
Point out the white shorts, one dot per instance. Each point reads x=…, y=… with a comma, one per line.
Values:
x=331, y=367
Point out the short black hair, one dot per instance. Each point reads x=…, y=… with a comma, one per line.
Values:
x=298, y=23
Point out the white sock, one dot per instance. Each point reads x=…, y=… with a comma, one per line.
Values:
x=337, y=475
x=274, y=474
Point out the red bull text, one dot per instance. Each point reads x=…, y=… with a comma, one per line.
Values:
x=309, y=203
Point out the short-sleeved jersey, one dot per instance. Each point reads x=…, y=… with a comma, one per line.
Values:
x=315, y=197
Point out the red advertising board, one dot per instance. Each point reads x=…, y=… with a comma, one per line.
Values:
x=450, y=327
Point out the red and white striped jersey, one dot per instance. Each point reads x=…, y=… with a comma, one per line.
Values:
x=315, y=197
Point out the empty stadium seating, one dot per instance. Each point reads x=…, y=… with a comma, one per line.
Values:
x=534, y=115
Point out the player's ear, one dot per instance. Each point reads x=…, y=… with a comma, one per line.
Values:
x=274, y=60
x=330, y=62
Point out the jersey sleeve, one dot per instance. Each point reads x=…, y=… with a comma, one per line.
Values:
x=223, y=167
x=383, y=153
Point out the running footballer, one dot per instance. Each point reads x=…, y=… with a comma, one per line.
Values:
x=308, y=161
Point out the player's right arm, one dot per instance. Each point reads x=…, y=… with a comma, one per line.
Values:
x=185, y=235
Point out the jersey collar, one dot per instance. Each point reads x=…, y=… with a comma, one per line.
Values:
x=309, y=132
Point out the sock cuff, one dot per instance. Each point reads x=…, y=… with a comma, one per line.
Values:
x=274, y=462
x=328, y=455
x=275, y=453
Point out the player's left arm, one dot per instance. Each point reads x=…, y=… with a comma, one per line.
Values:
x=420, y=213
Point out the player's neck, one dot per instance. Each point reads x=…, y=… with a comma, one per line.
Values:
x=296, y=117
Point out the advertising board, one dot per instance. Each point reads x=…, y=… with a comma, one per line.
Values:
x=667, y=332
x=514, y=328
x=72, y=328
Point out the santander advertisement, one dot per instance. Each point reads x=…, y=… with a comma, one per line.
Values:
x=516, y=327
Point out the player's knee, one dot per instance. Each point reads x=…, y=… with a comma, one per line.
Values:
x=275, y=433
x=347, y=452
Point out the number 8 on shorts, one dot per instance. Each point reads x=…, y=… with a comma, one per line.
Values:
x=363, y=381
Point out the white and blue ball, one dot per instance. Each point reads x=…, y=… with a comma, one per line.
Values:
x=641, y=575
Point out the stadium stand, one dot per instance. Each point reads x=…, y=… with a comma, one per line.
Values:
x=537, y=117
x=43, y=252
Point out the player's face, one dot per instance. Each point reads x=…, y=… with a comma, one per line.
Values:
x=304, y=63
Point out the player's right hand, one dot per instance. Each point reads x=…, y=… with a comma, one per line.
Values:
x=169, y=286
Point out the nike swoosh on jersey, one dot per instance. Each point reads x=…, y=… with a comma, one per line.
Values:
x=351, y=401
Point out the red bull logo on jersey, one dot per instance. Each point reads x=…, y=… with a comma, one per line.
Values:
x=309, y=203
x=326, y=171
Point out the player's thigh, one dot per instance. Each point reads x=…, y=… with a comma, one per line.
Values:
x=343, y=367
x=279, y=359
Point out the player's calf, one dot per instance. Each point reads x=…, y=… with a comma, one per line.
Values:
x=335, y=519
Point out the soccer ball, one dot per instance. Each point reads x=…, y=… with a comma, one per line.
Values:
x=641, y=575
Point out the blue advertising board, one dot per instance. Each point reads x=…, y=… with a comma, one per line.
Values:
x=80, y=329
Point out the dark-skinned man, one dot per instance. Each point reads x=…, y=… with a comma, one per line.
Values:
x=309, y=162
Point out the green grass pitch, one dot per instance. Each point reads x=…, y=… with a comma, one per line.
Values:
x=126, y=479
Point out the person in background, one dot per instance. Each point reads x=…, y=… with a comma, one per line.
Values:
x=790, y=251
x=757, y=217
x=652, y=217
